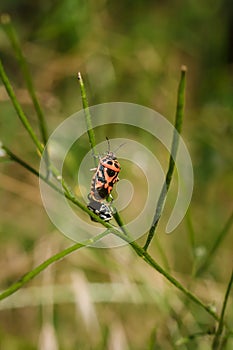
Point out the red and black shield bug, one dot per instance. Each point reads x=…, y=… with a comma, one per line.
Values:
x=106, y=175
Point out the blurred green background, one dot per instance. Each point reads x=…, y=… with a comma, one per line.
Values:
x=127, y=51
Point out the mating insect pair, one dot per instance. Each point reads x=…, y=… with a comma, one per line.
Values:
x=106, y=175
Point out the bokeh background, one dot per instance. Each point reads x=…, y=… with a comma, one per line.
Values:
x=127, y=51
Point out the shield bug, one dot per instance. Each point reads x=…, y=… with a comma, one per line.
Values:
x=105, y=176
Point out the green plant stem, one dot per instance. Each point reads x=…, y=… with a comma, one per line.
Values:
x=30, y=275
x=125, y=236
x=119, y=220
x=218, y=334
x=140, y=252
x=11, y=34
x=187, y=339
x=9, y=30
x=13, y=157
x=191, y=235
x=19, y=110
x=215, y=246
x=90, y=131
x=67, y=193
x=147, y=257
x=174, y=148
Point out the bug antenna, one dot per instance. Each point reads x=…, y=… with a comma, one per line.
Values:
x=117, y=149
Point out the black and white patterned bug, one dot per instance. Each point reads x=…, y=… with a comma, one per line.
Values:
x=101, y=209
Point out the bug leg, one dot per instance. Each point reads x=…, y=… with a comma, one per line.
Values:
x=111, y=198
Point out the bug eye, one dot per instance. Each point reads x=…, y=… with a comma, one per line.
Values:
x=110, y=172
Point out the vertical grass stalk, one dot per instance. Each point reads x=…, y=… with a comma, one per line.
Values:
x=11, y=34
x=19, y=110
x=215, y=246
x=218, y=334
x=174, y=148
x=91, y=136
x=90, y=131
